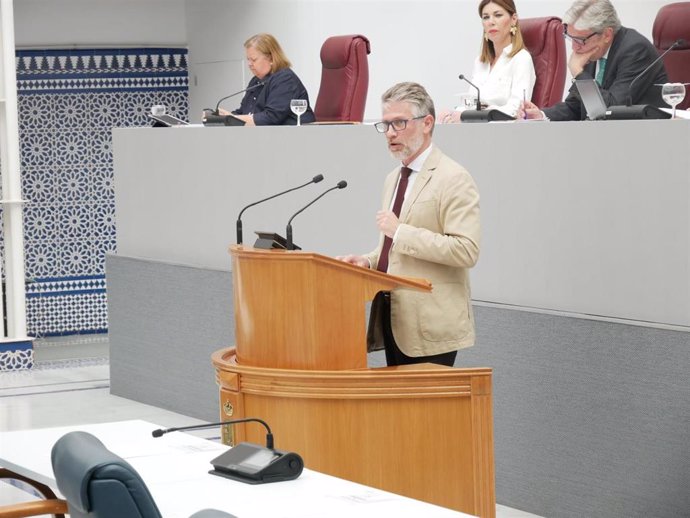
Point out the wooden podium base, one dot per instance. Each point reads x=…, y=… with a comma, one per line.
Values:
x=422, y=431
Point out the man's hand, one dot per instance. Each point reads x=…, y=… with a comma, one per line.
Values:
x=387, y=222
x=577, y=62
x=357, y=260
x=529, y=110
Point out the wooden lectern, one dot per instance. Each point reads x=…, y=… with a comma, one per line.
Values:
x=423, y=431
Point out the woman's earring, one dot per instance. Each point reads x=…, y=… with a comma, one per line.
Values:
x=486, y=37
x=513, y=30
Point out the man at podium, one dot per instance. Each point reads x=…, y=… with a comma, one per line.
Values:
x=430, y=229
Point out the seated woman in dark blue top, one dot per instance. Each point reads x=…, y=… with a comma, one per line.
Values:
x=270, y=104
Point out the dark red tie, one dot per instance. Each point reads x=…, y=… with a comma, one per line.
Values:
x=397, y=205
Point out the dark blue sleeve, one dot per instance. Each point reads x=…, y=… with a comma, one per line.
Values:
x=275, y=110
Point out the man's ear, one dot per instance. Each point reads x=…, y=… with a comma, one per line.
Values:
x=608, y=34
x=428, y=122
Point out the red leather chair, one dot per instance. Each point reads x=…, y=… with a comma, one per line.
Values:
x=672, y=22
x=544, y=40
x=344, y=79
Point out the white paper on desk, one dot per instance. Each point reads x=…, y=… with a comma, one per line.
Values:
x=680, y=114
x=132, y=439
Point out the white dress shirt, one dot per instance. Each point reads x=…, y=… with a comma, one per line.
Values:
x=504, y=86
x=415, y=166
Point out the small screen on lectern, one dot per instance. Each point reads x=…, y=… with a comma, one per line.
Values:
x=259, y=460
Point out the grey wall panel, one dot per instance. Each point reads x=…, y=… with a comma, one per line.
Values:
x=165, y=322
x=591, y=418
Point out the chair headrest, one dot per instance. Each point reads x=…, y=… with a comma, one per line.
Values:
x=336, y=50
x=75, y=457
x=672, y=22
x=535, y=30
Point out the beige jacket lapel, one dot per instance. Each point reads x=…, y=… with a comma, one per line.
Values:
x=422, y=179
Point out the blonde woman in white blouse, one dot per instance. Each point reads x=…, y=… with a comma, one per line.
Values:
x=504, y=71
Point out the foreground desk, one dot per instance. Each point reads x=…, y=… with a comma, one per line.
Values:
x=423, y=431
x=175, y=468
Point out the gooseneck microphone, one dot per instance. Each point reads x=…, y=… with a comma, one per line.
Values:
x=288, y=230
x=675, y=44
x=316, y=179
x=269, y=435
x=247, y=462
x=257, y=85
x=463, y=78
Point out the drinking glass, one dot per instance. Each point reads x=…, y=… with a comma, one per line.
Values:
x=298, y=107
x=468, y=101
x=158, y=109
x=673, y=94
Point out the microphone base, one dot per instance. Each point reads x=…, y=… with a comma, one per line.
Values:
x=254, y=464
x=484, y=116
x=213, y=119
x=271, y=240
x=636, y=111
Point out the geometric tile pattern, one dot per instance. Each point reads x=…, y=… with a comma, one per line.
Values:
x=16, y=355
x=68, y=102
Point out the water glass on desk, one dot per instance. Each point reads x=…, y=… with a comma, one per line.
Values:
x=467, y=102
x=673, y=94
x=298, y=107
x=158, y=109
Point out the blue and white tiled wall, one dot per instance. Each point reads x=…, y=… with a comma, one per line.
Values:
x=68, y=101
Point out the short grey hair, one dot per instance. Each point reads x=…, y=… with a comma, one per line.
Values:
x=593, y=15
x=412, y=93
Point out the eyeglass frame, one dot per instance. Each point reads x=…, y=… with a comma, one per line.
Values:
x=388, y=124
x=577, y=39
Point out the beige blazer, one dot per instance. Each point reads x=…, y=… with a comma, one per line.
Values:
x=438, y=240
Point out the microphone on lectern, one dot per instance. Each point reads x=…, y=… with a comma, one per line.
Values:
x=290, y=245
x=257, y=85
x=247, y=462
x=479, y=103
x=316, y=179
x=214, y=118
x=479, y=115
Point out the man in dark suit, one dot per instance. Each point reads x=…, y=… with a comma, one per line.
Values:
x=430, y=229
x=611, y=54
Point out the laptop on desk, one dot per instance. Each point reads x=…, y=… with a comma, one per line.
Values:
x=597, y=110
x=591, y=98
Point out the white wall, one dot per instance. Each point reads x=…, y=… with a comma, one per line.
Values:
x=99, y=23
x=429, y=41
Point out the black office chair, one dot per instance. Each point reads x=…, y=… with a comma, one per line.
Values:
x=98, y=484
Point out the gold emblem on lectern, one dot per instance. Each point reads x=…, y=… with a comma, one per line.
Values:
x=228, y=431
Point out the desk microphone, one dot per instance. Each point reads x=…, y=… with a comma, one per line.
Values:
x=269, y=436
x=675, y=44
x=247, y=462
x=290, y=246
x=257, y=85
x=479, y=103
x=479, y=115
x=316, y=179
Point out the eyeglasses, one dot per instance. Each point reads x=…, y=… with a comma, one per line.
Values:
x=398, y=124
x=576, y=39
